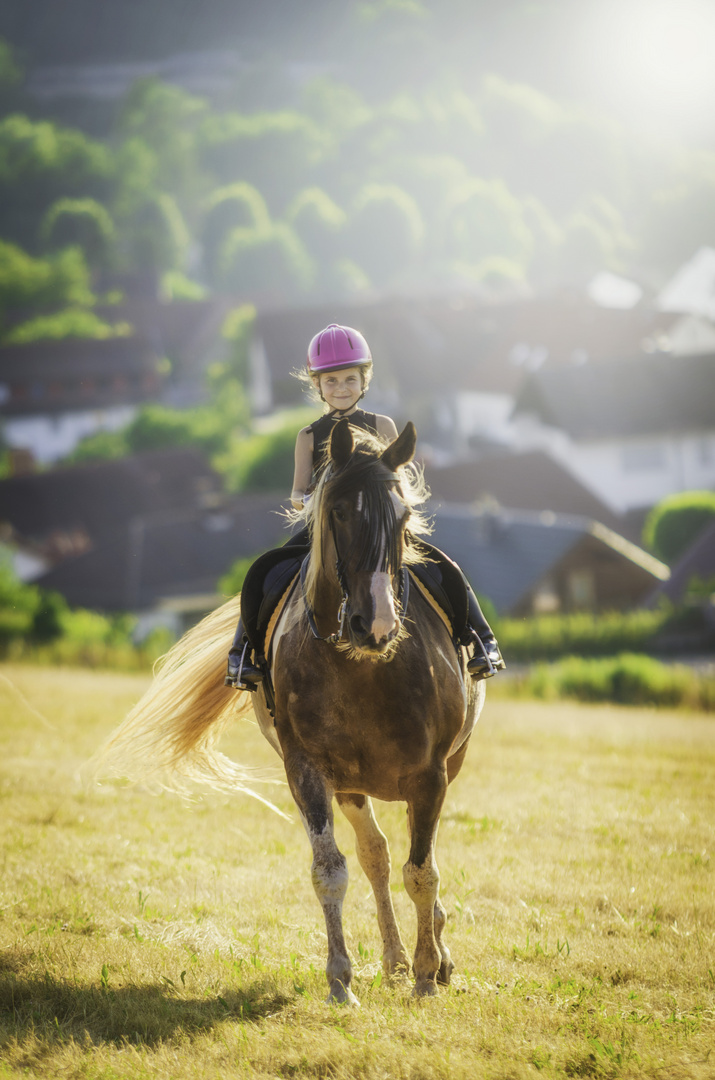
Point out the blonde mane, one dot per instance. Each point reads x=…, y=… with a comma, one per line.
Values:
x=413, y=492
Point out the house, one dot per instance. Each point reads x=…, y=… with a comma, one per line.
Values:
x=632, y=431
x=54, y=393
x=529, y=563
x=69, y=511
x=529, y=481
x=456, y=363
x=165, y=565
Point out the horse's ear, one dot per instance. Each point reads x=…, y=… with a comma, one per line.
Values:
x=342, y=443
x=402, y=449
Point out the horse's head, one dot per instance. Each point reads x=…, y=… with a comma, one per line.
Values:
x=363, y=518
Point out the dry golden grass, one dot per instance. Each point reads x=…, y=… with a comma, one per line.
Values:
x=144, y=937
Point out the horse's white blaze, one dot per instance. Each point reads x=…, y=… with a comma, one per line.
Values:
x=384, y=621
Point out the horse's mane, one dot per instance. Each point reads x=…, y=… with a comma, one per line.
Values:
x=363, y=469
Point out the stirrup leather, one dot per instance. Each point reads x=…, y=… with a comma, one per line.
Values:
x=236, y=681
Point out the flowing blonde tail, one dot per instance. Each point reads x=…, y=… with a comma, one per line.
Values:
x=169, y=736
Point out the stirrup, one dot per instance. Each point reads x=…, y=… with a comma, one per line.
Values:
x=484, y=667
x=253, y=675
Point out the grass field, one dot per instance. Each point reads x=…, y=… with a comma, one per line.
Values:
x=141, y=936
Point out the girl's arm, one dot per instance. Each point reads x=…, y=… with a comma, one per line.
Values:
x=386, y=428
x=303, y=467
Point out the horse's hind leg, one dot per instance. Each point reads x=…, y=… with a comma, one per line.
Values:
x=374, y=857
x=329, y=870
x=421, y=876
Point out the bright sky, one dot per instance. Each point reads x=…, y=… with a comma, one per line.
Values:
x=653, y=62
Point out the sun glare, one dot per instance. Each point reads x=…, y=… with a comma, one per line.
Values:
x=655, y=62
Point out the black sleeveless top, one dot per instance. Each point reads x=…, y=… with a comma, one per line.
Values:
x=323, y=427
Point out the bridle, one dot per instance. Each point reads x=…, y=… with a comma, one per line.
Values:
x=403, y=594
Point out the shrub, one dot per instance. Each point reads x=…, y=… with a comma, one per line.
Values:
x=675, y=522
x=627, y=679
x=546, y=637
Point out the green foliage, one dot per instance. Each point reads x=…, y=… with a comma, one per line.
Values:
x=385, y=231
x=319, y=222
x=177, y=286
x=84, y=223
x=237, y=330
x=71, y=323
x=232, y=581
x=41, y=163
x=603, y=634
x=38, y=625
x=10, y=70
x=626, y=679
x=271, y=261
x=237, y=206
x=27, y=282
x=674, y=524
x=263, y=461
x=483, y=220
x=156, y=237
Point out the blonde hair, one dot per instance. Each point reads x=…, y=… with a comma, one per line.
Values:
x=308, y=379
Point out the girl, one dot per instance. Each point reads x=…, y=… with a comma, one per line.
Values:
x=339, y=367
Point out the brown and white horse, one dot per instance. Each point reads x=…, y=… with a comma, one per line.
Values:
x=371, y=700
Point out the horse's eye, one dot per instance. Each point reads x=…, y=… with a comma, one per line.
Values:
x=339, y=514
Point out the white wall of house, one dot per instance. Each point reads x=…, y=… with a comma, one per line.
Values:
x=53, y=437
x=628, y=473
x=483, y=415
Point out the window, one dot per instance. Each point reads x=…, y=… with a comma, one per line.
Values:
x=582, y=589
x=647, y=457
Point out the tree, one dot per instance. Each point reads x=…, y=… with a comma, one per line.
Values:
x=483, y=220
x=676, y=521
x=319, y=223
x=26, y=282
x=157, y=238
x=236, y=206
x=84, y=223
x=273, y=151
x=385, y=232
x=270, y=261
x=166, y=119
x=41, y=163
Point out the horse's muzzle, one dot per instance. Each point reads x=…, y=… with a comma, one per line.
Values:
x=371, y=638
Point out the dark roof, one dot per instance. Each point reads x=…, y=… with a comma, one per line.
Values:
x=506, y=553
x=100, y=497
x=641, y=396
x=529, y=481
x=462, y=342
x=56, y=376
x=179, y=553
x=698, y=561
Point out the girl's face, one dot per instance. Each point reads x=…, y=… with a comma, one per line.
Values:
x=341, y=389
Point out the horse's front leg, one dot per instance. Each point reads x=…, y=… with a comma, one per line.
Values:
x=374, y=858
x=329, y=869
x=421, y=876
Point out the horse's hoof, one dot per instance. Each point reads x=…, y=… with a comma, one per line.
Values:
x=341, y=995
x=396, y=968
x=425, y=988
x=445, y=972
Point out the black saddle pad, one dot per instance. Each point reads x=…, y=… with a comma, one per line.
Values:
x=266, y=581
x=444, y=581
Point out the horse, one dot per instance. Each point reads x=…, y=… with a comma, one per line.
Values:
x=371, y=700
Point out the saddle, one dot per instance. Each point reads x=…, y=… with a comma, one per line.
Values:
x=271, y=580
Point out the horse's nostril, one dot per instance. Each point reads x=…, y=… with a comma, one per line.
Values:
x=358, y=626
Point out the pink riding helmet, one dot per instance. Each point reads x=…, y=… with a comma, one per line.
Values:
x=337, y=347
